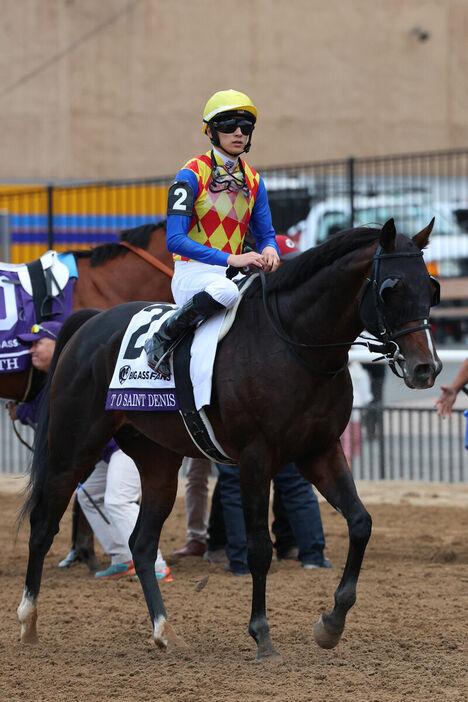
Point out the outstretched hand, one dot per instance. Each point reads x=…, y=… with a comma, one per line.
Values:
x=446, y=401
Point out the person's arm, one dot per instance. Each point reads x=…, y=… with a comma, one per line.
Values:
x=446, y=401
x=26, y=412
x=262, y=229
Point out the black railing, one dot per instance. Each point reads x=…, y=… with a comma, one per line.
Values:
x=407, y=443
x=363, y=191
x=384, y=443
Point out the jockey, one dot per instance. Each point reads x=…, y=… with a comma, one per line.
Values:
x=212, y=201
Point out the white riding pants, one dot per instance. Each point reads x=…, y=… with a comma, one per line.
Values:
x=115, y=487
x=191, y=277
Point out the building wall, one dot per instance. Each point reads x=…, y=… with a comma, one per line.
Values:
x=116, y=88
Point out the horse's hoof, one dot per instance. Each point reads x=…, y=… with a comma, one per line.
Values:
x=324, y=638
x=166, y=638
x=29, y=635
x=271, y=656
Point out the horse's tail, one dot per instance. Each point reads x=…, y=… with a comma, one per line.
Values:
x=41, y=447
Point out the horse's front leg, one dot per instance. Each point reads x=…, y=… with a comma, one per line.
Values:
x=332, y=477
x=255, y=487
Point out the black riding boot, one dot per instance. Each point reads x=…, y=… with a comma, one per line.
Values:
x=200, y=307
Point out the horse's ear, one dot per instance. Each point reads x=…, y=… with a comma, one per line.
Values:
x=387, y=236
x=421, y=239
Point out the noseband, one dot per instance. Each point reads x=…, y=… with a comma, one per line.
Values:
x=385, y=343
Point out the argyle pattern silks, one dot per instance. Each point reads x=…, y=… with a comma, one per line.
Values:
x=221, y=218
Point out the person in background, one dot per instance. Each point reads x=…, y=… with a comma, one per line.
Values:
x=109, y=500
x=297, y=522
x=114, y=485
x=41, y=341
x=445, y=402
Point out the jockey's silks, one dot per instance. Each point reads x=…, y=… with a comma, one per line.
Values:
x=220, y=218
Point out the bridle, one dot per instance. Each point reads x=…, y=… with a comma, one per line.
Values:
x=384, y=339
x=381, y=329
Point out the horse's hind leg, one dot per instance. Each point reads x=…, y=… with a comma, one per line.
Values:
x=49, y=506
x=158, y=471
x=255, y=486
x=332, y=477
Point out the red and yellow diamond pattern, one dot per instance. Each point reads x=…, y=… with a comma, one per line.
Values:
x=221, y=217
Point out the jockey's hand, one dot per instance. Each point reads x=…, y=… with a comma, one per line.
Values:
x=12, y=407
x=446, y=401
x=252, y=258
x=271, y=259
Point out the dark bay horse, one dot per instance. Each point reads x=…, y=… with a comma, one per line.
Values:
x=277, y=397
x=110, y=274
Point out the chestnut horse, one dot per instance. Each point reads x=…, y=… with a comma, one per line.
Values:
x=137, y=268
x=281, y=393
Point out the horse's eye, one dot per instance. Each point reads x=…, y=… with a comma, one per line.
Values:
x=387, y=287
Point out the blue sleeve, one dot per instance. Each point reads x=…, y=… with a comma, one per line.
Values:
x=260, y=221
x=178, y=241
x=27, y=411
x=109, y=449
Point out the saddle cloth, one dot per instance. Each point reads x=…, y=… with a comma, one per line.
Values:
x=135, y=386
x=18, y=305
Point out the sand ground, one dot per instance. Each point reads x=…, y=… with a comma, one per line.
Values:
x=406, y=637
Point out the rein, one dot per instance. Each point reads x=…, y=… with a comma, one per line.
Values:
x=385, y=344
x=149, y=258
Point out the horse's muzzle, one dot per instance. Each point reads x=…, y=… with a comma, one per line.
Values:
x=420, y=375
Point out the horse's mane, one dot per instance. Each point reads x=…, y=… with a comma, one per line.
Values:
x=137, y=236
x=297, y=270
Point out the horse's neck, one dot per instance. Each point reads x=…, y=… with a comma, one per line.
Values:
x=122, y=279
x=325, y=308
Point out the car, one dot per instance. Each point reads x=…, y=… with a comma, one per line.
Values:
x=447, y=253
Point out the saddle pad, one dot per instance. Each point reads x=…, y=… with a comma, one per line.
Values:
x=135, y=386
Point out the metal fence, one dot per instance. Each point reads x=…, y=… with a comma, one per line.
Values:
x=401, y=443
x=73, y=216
x=386, y=443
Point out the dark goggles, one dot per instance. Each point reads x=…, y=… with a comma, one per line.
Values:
x=229, y=126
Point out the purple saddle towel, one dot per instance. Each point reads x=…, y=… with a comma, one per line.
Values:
x=28, y=295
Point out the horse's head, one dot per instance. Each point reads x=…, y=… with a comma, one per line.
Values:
x=396, y=302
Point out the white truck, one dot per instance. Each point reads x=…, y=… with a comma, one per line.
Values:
x=447, y=253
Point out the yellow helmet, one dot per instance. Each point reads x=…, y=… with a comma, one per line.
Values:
x=227, y=101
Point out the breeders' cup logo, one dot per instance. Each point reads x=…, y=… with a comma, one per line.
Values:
x=123, y=374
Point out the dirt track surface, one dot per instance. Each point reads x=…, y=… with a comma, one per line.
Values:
x=406, y=637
